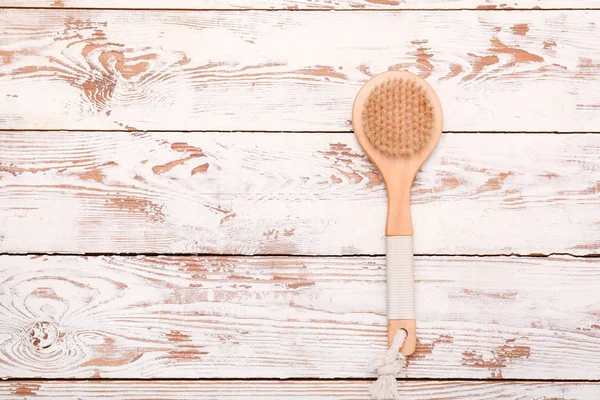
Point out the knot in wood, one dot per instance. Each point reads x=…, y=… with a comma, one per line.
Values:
x=42, y=334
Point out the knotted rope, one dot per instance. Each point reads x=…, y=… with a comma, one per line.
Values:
x=388, y=365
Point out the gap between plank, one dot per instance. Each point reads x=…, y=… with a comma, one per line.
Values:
x=306, y=379
x=287, y=131
x=300, y=10
x=147, y=254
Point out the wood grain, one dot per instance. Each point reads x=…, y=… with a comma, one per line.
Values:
x=279, y=317
x=307, y=390
x=272, y=193
x=293, y=71
x=309, y=4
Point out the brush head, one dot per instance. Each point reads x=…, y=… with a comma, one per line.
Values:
x=397, y=119
x=397, y=116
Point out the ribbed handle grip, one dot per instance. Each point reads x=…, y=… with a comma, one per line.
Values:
x=400, y=278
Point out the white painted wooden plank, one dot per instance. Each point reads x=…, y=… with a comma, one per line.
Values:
x=295, y=71
x=273, y=193
x=278, y=317
x=307, y=390
x=309, y=4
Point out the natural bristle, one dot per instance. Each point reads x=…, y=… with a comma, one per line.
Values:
x=398, y=117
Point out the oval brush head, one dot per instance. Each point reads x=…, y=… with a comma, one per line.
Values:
x=397, y=116
x=397, y=119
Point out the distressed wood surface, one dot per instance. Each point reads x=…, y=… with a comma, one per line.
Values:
x=308, y=390
x=309, y=4
x=303, y=193
x=294, y=71
x=279, y=317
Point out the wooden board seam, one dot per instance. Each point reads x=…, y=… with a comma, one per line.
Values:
x=274, y=255
x=303, y=9
x=287, y=131
x=303, y=379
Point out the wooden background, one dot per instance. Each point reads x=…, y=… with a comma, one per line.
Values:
x=185, y=212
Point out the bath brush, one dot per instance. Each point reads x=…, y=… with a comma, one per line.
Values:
x=397, y=119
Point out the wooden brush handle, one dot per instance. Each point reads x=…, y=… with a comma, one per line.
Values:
x=399, y=221
x=401, y=290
